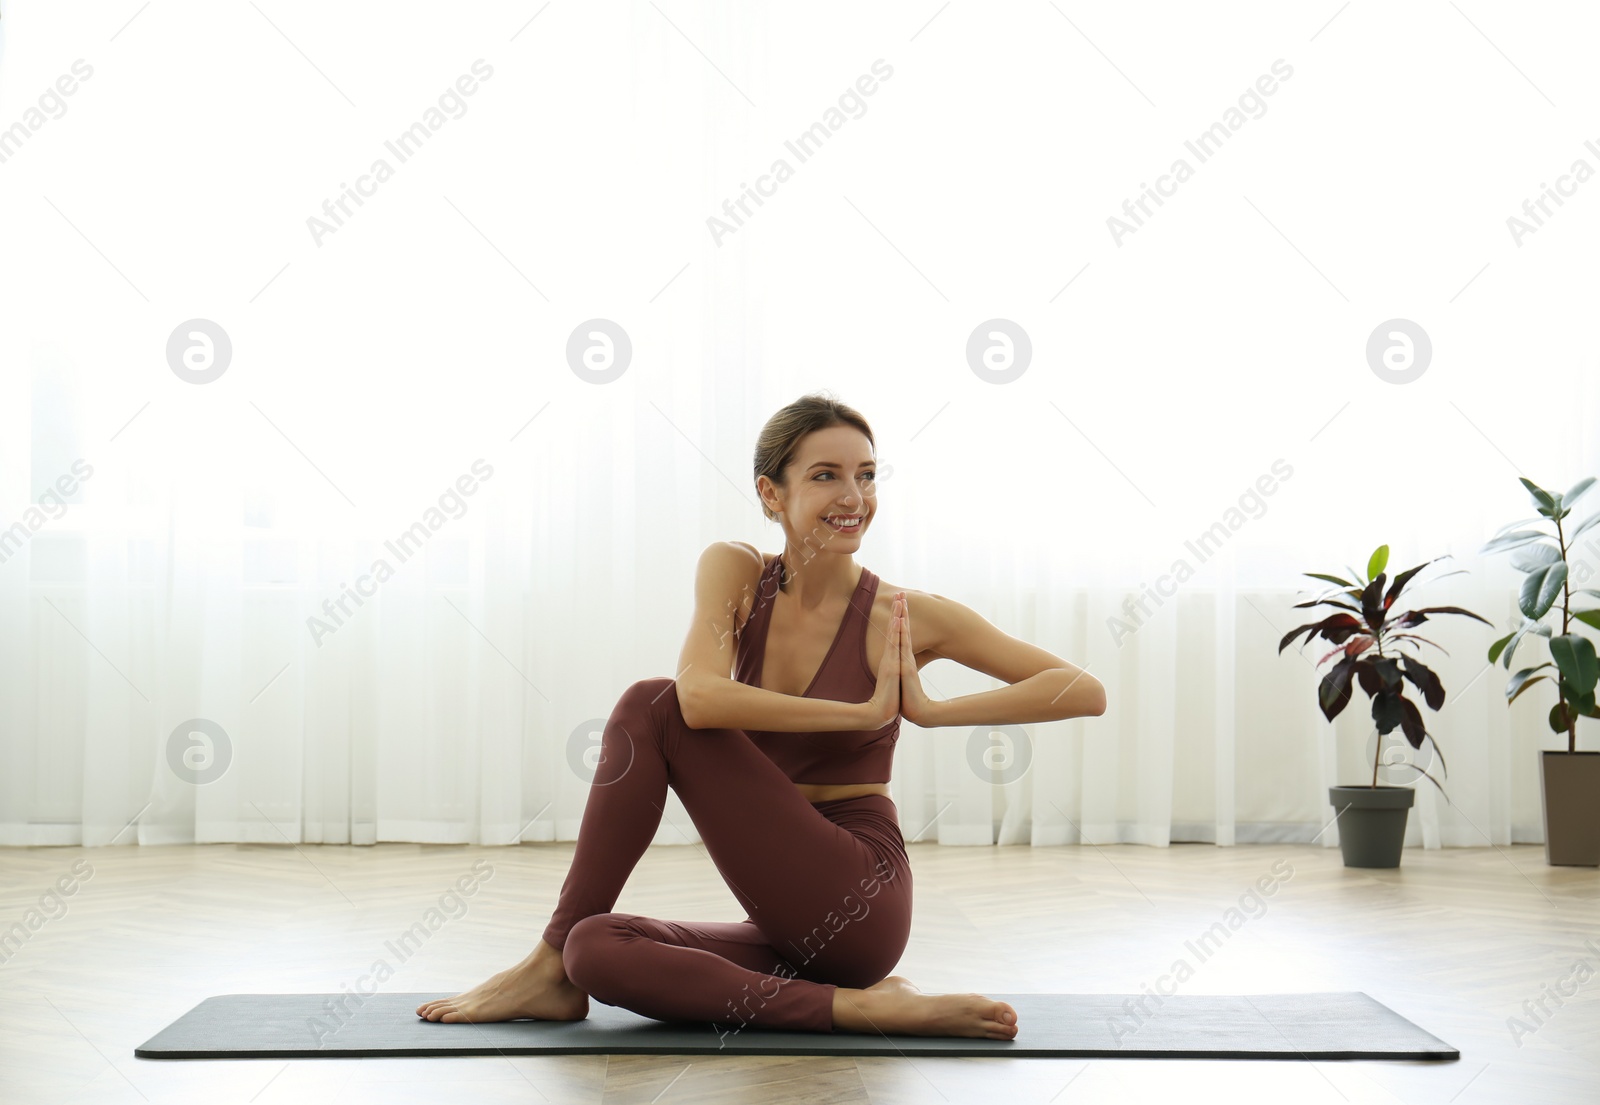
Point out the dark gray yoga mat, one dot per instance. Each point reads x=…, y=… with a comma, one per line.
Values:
x=1346, y=1025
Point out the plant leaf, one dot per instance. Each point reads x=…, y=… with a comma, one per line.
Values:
x=1541, y=497
x=1576, y=489
x=1333, y=693
x=1512, y=540
x=1326, y=602
x=1388, y=670
x=1525, y=686
x=1332, y=593
x=1590, y=618
x=1427, y=682
x=1528, y=626
x=1575, y=656
x=1511, y=649
x=1414, y=637
x=1372, y=604
x=1330, y=579
x=1411, y=722
x=1378, y=560
x=1386, y=712
x=1402, y=579
x=1499, y=646
x=1540, y=588
x=1558, y=717
x=1440, y=751
x=1367, y=676
x=1535, y=555
x=1430, y=778
x=1335, y=627
x=1503, y=530
x=1520, y=681
x=1351, y=648
x=1452, y=610
x=1585, y=524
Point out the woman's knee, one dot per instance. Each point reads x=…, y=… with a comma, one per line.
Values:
x=869, y=958
x=644, y=695
x=865, y=972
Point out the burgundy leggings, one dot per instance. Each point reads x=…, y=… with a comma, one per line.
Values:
x=826, y=888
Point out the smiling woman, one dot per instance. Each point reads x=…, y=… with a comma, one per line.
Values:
x=815, y=466
x=815, y=470
x=784, y=769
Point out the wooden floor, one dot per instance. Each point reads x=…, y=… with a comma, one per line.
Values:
x=1456, y=940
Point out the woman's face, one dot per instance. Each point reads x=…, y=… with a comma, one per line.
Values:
x=832, y=478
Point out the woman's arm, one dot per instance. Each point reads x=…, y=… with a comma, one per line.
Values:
x=1043, y=687
x=717, y=702
x=1050, y=695
x=725, y=582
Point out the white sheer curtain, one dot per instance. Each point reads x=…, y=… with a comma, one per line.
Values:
x=421, y=345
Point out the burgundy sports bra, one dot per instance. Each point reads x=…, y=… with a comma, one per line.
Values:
x=859, y=756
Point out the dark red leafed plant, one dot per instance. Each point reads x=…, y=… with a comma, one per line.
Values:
x=1362, y=632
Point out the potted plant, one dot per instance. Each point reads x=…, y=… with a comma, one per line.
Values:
x=1569, y=781
x=1373, y=825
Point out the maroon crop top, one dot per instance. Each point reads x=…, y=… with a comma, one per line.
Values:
x=859, y=756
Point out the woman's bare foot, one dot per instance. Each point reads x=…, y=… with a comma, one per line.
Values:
x=896, y=1007
x=536, y=988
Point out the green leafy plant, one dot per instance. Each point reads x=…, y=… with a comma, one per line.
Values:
x=1362, y=634
x=1542, y=556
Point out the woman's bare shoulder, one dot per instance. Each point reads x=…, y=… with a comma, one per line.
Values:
x=746, y=585
x=764, y=558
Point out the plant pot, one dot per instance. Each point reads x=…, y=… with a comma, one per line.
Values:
x=1569, y=788
x=1372, y=823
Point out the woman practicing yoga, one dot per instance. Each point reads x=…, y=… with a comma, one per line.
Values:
x=770, y=769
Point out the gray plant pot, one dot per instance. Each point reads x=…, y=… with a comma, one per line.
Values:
x=1372, y=823
x=1569, y=789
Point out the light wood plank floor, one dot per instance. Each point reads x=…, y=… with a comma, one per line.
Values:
x=1455, y=940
